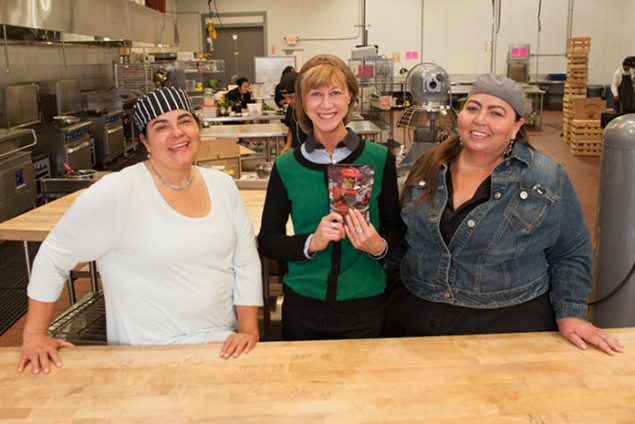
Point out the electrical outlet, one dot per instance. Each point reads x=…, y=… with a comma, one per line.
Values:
x=488, y=46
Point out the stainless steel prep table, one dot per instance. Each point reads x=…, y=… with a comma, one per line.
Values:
x=365, y=129
x=245, y=118
x=266, y=131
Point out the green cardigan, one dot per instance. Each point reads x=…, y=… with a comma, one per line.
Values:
x=339, y=272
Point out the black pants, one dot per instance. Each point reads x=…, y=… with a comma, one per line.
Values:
x=305, y=318
x=408, y=315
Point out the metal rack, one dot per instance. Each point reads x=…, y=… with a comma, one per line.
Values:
x=136, y=76
x=84, y=322
x=375, y=78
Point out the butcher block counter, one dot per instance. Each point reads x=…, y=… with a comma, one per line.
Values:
x=35, y=224
x=509, y=378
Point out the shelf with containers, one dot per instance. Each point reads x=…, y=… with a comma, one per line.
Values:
x=375, y=78
x=198, y=75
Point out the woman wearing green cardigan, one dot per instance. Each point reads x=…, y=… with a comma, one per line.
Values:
x=335, y=284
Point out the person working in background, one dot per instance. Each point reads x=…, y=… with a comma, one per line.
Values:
x=623, y=87
x=240, y=95
x=295, y=135
x=174, y=245
x=496, y=239
x=278, y=96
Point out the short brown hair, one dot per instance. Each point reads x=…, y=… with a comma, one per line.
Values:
x=317, y=72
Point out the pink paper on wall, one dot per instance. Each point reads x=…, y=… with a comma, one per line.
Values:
x=515, y=52
x=524, y=52
x=412, y=55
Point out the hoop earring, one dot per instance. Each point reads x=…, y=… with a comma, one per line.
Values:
x=508, y=150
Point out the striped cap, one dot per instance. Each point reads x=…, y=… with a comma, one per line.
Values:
x=159, y=102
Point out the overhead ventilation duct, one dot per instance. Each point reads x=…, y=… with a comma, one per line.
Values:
x=113, y=19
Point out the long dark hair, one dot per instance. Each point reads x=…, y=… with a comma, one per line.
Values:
x=427, y=166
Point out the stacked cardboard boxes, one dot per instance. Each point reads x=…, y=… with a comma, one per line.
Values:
x=576, y=82
x=222, y=154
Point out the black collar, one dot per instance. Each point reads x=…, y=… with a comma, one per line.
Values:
x=351, y=141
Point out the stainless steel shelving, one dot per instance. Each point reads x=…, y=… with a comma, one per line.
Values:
x=137, y=76
x=375, y=78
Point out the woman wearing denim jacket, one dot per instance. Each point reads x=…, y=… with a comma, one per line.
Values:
x=496, y=240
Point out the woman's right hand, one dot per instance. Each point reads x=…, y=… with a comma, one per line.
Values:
x=40, y=350
x=331, y=228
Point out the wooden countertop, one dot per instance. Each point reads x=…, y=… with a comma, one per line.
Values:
x=508, y=378
x=254, y=202
x=35, y=224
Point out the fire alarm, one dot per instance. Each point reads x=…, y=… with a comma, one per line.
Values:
x=291, y=41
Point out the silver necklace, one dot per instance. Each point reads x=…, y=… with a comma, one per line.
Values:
x=173, y=187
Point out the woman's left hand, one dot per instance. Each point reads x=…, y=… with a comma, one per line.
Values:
x=363, y=235
x=580, y=332
x=236, y=344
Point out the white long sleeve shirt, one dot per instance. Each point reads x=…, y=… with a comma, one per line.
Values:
x=167, y=278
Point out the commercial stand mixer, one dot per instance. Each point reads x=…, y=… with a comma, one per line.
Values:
x=429, y=118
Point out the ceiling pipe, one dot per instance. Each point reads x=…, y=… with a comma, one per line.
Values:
x=496, y=6
x=569, y=22
x=539, y=30
x=6, y=49
x=365, y=33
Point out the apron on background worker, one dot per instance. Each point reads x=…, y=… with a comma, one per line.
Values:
x=625, y=91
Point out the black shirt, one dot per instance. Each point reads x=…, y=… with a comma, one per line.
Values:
x=234, y=96
x=297, y=135
x=451, y=219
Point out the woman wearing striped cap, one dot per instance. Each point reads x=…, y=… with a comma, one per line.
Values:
x=173, y=243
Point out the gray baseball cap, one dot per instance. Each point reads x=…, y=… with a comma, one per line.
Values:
x=502, y=87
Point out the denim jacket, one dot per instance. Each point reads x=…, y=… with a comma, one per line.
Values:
x=528, y=238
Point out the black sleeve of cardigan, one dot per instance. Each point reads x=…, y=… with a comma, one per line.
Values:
x=391, y=228
x=273, y=240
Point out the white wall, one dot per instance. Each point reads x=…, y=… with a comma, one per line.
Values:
x=455, y=32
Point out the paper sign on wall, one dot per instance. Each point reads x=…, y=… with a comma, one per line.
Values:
x=412, y=55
